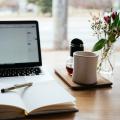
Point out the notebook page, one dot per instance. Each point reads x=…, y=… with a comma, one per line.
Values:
x=10, y=98
x=44, y=94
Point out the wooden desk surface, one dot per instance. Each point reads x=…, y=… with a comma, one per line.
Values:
x=100, y=104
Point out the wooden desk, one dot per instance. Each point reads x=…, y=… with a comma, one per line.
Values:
x=100, y=104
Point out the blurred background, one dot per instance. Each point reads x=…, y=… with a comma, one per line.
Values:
x=59, y=20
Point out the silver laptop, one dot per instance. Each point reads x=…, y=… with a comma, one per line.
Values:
x=20, y=52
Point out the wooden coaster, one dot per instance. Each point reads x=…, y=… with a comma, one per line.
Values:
x=62, y=73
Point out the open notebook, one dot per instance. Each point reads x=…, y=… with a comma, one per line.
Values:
x=41, y=98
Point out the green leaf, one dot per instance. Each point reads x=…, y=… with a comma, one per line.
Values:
x=99, y=45
x=119, y=23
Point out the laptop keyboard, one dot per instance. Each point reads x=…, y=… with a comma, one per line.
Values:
x=27, y=71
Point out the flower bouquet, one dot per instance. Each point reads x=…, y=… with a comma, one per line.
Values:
x=107, y=30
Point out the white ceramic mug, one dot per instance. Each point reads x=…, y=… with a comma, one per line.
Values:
x=85, y=68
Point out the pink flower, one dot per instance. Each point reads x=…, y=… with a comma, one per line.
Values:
x=107, y=19
x=113, y=15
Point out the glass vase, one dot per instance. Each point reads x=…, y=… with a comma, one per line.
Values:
x=106, y=61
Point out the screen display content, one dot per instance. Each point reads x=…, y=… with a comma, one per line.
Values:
x=18, y=43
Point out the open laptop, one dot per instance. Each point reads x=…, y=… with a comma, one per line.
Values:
x=20, y=52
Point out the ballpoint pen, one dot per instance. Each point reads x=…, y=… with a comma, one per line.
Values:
x=4, y=90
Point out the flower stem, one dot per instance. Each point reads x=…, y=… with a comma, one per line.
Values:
x=105, y=55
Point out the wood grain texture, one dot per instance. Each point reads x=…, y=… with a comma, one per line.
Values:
x=101, y=81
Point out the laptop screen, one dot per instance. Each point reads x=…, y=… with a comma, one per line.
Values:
x=19, y=43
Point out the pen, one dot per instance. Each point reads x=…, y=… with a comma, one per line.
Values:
x=16, y=87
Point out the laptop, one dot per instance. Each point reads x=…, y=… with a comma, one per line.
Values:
x=20, y=51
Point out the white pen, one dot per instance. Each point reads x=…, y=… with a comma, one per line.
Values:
x=4, y=90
